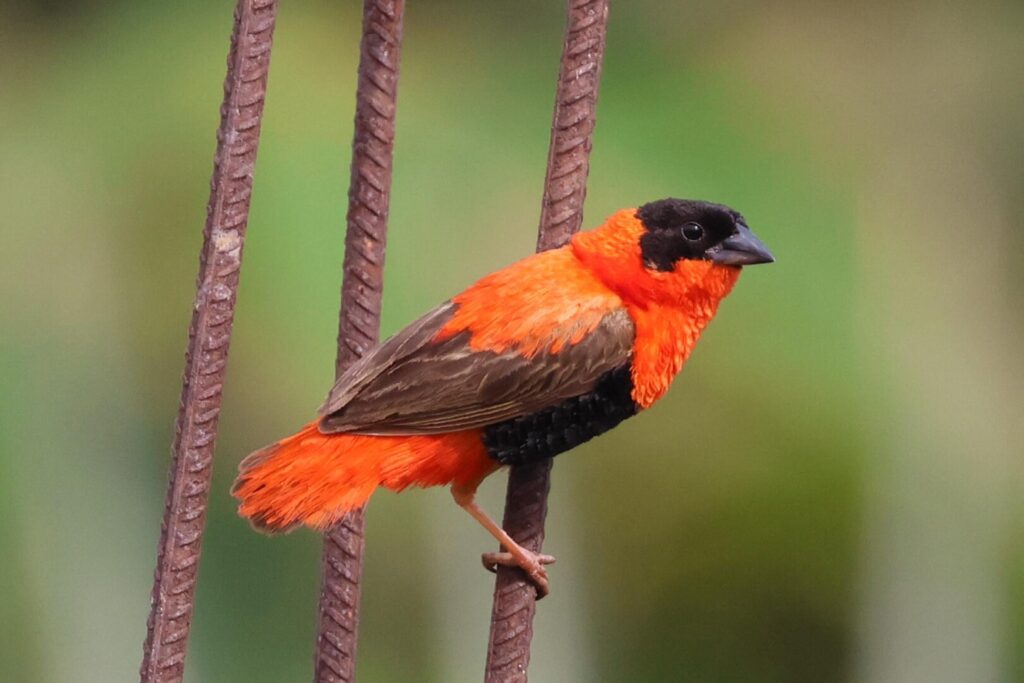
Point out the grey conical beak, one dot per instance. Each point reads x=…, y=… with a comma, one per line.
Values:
x=741, y=249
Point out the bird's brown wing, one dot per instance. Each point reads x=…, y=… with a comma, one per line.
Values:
x=412, y=384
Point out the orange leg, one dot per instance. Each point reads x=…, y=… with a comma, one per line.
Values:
x=515, y=555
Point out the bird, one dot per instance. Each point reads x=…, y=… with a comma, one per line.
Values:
x=528, y=362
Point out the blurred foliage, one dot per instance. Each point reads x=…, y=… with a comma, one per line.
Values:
x=831, y=493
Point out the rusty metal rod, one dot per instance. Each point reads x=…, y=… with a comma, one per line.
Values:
x=565, y=187
x=359, y=321
x=209, y=332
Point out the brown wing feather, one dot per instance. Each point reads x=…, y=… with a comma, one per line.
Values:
x=413, y=385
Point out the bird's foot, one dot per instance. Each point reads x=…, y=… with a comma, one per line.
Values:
x=530, y=562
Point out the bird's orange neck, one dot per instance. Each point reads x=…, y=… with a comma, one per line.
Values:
x=612, y=253
x=669, y=309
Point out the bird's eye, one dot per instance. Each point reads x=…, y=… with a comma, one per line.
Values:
x=693, y=231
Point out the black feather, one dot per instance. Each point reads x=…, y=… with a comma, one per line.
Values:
x=554, y=430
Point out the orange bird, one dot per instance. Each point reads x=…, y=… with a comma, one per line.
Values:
x=527, y=363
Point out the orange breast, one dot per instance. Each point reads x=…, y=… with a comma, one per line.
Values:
x=667, y=333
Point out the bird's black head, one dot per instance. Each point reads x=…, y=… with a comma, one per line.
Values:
x=688, y=229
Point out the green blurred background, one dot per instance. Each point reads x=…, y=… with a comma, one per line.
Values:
x=832, y=493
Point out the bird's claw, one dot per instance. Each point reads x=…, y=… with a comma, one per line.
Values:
x=532, y=565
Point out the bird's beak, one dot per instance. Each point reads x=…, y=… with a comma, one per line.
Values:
x=741, y=249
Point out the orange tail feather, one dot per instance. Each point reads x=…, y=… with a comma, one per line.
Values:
x=314, y=478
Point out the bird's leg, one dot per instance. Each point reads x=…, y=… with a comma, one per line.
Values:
x=515, y=555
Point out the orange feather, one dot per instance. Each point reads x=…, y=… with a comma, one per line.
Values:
x=548, y=300
x=314, y=478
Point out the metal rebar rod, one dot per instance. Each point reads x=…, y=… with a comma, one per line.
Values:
x=220, y=262
x=565, y=187
x=359, y=325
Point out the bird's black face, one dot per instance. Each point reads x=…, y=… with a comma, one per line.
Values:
x=688, y=229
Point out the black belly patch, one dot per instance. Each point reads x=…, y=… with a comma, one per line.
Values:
x=551, y=431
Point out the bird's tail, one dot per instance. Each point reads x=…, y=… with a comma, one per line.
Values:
x=307, y=478
x=313, y=478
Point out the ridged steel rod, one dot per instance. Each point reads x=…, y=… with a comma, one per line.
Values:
x=209, y=332
x=359, y=321
x=565, y=188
